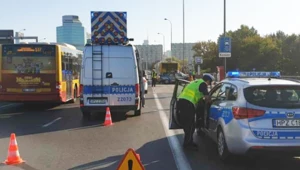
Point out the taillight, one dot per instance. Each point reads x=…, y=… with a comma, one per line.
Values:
x=246, y=113
x=137, y=90
x=81, y=89
x=58, y=86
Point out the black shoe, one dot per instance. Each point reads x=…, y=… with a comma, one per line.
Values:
x=191, y=146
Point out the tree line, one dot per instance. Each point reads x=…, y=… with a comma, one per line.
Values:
x=251, y=51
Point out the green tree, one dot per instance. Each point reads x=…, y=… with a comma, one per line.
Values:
x=208, y=51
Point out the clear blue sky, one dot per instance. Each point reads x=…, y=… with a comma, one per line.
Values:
x=204, y=18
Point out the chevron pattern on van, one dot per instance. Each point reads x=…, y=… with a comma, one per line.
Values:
x=109, y=27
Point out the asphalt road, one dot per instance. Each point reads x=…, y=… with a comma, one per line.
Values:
x=56, y=138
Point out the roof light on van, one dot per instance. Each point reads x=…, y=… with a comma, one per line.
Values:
x=252, y=74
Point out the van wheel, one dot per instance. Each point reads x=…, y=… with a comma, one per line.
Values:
x=86, y=115
x=74, y=96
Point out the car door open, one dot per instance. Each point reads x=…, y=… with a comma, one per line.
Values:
x=179, y=86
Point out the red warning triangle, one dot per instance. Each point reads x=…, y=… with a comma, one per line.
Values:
x=130, y=161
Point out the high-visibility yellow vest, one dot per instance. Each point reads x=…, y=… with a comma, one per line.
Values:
x=154, y=74
x=191, y=92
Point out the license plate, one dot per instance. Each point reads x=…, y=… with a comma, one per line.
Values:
x=97, y=101
x=286, y=122
x=28, y=90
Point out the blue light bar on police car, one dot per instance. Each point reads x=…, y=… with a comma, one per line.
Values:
x=252, y=74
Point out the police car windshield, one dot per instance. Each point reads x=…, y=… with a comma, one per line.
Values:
x=273, y=96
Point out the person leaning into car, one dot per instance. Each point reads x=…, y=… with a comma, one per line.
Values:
x=191, y=96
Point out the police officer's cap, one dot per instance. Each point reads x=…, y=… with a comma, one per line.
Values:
x=208, y=77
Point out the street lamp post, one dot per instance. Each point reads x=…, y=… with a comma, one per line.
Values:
x=171, y=34
x=18, y=35
x=183, y=45
x=163, y=46
x=225, y=63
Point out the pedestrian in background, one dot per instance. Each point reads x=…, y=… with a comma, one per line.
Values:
x=154, y=78
x=144, y=80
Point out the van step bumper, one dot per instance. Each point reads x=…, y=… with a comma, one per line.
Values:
x=103, y=108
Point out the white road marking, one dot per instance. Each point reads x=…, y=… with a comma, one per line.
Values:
x=7, y=105
x=50, y=123
x=176, y=148
x=11, y=114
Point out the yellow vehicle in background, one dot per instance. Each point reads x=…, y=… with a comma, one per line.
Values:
x=39, y=72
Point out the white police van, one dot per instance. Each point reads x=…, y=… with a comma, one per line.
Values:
x=110, y=77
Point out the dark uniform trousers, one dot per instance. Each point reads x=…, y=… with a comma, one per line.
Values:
x=200, y=111
x=186, y=117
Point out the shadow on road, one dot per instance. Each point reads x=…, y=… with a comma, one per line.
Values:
x=204, y=159
x=22, y=166
x=151, y=160
x=17, y=107
x=34, y=118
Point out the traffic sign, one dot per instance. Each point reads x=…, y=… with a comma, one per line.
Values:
x=109, y=27
x=225, y=47
x=198, y=60
x=6, y=36
x=130, y=161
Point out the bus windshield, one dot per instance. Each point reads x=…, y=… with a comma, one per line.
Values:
x=28, y=59
x=28, y=68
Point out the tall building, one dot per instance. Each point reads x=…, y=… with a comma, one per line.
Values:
x=150, y=53
x=71, y=32
x=146, y=42
x=177, y=51
x=168, y=53
x=88, y=38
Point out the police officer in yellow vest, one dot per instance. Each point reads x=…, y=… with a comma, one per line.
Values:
x=188, y=101
x=154, y=78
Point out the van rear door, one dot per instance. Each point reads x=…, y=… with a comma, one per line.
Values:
x=96, y=83
x=123, y=75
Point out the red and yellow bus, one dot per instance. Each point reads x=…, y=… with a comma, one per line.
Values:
x=39, y=72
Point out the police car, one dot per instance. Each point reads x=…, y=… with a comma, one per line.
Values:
x=250, y=112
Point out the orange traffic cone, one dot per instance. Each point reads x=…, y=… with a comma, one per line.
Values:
x=108, y=120
x=13, y=156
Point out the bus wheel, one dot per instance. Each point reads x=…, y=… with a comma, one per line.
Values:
x=74, y=96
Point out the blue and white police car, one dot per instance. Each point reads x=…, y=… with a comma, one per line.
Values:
x=254, y=111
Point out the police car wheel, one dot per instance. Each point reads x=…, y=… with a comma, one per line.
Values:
x=222, y=146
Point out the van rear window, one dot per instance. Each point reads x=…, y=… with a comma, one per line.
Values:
x=273, y=96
